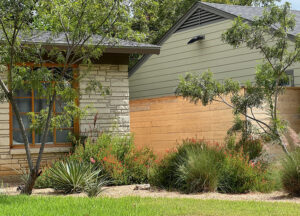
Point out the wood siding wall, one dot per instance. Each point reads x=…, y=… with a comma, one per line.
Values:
x=161, y=123
x=159, y=75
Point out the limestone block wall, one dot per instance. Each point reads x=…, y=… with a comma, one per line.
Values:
x=112, y=109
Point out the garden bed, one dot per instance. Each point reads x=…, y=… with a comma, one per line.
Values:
x=143, y=191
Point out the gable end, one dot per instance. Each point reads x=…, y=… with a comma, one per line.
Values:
x=199, y=17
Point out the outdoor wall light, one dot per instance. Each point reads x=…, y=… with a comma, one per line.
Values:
x=196, y=38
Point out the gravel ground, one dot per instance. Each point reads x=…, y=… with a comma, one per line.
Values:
x=146, y=191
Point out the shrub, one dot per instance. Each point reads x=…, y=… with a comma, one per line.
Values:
x=72, y=176
x=250, y=147
x=268, y=180
x=192, y=167
x=198, y=172
x=43, y=181
x=291, y=173
x=116, y=155
x=237, y=175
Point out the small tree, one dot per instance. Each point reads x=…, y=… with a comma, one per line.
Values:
x=269, y=34
x=84, y=25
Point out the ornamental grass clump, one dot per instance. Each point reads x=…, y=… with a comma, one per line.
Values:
x=191, y=167
x=237, y=175
x=195, y=166
x=291, y=173
x=198, y=171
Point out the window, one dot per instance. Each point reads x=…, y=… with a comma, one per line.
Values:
x=290, y=79
x=31, y=102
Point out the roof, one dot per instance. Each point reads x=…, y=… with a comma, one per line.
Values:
x=227, y=11
x=249, y=13
x=112, y=45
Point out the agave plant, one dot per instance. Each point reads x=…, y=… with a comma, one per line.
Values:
x=72, y=176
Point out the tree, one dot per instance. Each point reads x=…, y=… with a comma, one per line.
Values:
x=155, y=17
x=84, y=25
x=270, y=35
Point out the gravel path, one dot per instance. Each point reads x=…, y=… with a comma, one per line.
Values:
x=145, y=191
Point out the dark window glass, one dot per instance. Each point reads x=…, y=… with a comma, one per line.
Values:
x=29, y=101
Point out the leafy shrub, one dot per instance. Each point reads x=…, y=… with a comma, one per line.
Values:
x=291, y=173
x=72, y=176
x=43, y=181
x=237, y=175
x=250, y=147
x=268, y=180
x=162, y=175
x=116, y=155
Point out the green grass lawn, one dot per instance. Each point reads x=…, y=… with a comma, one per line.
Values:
x=24, y=205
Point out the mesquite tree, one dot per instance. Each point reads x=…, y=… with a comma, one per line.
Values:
x=269, y=34
x=84, y=26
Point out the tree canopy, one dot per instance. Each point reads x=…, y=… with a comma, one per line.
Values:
x=270, y=35
x=84, y=26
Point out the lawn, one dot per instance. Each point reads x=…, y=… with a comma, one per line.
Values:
x=24, y=205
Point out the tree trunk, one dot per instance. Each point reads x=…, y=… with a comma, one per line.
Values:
x=27, y=189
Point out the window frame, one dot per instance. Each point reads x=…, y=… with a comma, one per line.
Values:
x=76, y=128
x=291, y=80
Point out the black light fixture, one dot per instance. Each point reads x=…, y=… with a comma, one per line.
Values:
x=196, y=38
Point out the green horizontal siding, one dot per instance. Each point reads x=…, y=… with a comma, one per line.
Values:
x=159, y=75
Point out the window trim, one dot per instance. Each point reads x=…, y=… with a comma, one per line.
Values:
x=76, y=128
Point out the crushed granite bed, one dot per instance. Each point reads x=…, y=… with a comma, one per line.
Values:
x=146, y=191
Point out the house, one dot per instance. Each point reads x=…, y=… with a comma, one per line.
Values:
x=111, y=70
x=193, y=44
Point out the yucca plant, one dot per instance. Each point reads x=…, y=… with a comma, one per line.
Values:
x=72, y=176
x=94, y=188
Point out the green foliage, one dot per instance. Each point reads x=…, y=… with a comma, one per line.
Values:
x=94, y=188
x=237, y=175
x=198, y=171
x=249, y=147
x=252, y=148
x=154, y=18
x=72, y=176
x=44, y=181
x=278, y=55
x=291, y=173
x=192, y=167
x=119, y=159
x=196, y=167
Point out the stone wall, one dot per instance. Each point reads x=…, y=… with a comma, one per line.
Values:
x=112, y=109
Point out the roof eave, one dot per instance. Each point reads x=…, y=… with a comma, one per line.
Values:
x=133, y=50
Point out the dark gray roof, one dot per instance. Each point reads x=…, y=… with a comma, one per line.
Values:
x=249, y=13
x=47, y=38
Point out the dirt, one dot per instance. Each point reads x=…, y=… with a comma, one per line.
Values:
x=146, y=191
